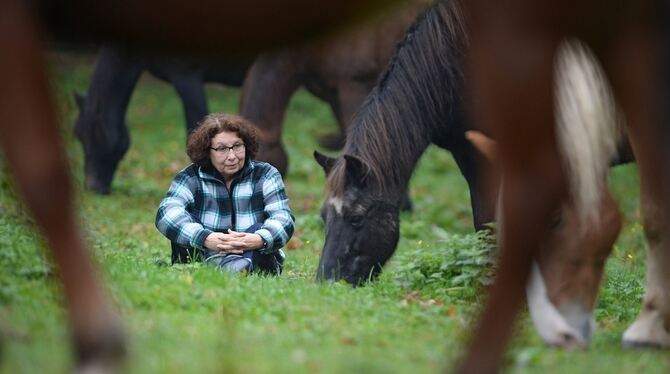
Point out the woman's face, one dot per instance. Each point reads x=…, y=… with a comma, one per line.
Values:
x=227, y=153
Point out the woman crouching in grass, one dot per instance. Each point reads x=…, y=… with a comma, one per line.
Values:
x=225, y=206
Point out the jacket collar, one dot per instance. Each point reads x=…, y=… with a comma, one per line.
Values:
x=210, y=173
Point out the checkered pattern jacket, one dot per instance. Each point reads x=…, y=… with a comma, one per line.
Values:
x=198, y=203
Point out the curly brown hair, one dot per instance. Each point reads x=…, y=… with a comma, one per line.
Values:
x=213, y=124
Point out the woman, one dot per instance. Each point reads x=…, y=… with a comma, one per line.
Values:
x=226, y=206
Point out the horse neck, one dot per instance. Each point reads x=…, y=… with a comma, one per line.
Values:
x=417, y=99
x=390, y=149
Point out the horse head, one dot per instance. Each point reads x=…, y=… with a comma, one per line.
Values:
x=362, y=225
x=104, y=144
x=567, y=271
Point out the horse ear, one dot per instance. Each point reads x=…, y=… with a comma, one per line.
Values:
x=80, y=100
x=485, y=145
x=326, y=162
x=357, y=169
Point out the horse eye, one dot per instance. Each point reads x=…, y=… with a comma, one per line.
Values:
x=356, y=221
x=557, y=220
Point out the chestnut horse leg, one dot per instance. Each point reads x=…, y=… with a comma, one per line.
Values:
x=266, y=92
x=636, y=71
x=30, y=139
x=511, y=62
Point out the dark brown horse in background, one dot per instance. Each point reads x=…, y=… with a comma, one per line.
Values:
x=29, y=131
x=340, y=70
x=511, y=60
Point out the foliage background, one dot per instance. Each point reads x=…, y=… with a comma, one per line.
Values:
x=192, y=318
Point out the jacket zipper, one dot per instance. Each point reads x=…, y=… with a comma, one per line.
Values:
x=233, y=219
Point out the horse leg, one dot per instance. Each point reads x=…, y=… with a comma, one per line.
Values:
x=350, y=96
x=512, y=68
x=478, y=172
x=191, y=90
x=636, y=70
x=34, y=154
x=266, y=92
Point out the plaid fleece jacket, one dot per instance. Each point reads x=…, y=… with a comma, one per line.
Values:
x=198, y=203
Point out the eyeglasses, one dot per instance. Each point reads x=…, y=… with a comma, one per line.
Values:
x=237, y=148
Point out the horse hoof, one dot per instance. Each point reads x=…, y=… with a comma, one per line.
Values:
x=102, y=352
x=648, y=331
x=98, y=187
x=631, y=344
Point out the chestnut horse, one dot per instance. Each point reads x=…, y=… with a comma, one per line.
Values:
x=29, y=131
x=568, y=269
x=511, y=63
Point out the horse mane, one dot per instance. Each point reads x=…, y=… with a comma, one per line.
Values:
x=588, y=126
x=413, y=96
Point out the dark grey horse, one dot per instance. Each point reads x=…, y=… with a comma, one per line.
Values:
x=418, y=101
x=101, y=125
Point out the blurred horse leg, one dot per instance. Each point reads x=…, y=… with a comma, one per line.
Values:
x=636, y=67
x=191, y=90
x=350, y=96
x=511, y=62
x=267, y=89
x=34, y=154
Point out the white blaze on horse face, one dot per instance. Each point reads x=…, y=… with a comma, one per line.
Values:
x=570, y=328
x=337, y=203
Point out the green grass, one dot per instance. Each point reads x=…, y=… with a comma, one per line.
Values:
x=195, y=319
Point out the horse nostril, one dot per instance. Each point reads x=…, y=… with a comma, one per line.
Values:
x=567, y=338
x=570, y=341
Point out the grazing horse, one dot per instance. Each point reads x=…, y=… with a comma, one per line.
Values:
x=568, y=269
x=29, y=132
x=511, y=62
x=418, y=101
x=101, y=126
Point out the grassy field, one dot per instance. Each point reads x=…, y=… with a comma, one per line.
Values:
x=191, y=318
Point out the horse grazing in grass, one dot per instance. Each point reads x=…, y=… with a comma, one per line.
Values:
x=568, y=269
x=29, y=131
x=511, y=61
x=340, y=70
x=101, y=126
x=421, y=98
x=418, y=101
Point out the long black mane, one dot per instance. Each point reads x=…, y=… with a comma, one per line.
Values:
x=413, y=101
